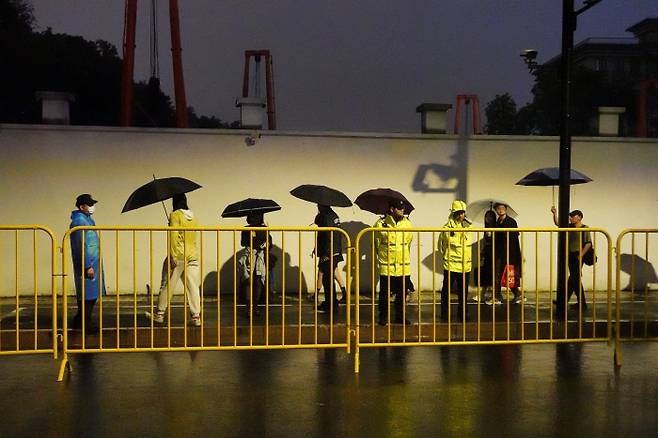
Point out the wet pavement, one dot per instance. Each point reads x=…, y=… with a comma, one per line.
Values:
x=505, y=390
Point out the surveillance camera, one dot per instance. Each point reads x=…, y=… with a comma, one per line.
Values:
x=529, y=54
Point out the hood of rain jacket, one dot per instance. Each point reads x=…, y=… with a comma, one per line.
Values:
x=454, y=246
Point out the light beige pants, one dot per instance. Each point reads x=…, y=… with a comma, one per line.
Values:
x=189, y=274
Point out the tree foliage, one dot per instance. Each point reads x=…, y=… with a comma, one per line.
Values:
x=501, y=115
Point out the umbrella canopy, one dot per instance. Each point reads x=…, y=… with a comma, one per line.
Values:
x=550, y=176
x=250, y=205
x=322, y=195
x=158, y=190
x=377, y=200
x=475, y=210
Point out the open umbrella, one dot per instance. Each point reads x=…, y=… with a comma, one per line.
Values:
x=322, y=195
x=250, y=205
x=158, y=190
x=377, y=200
x=475, y=210
x=550, y=176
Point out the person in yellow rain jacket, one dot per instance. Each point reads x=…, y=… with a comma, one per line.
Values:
x=183, y=262
x=455, y=250
x=394, y=261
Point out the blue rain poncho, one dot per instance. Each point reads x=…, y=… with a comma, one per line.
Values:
x=92, y=286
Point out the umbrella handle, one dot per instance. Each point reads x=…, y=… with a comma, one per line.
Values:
x=163, y=205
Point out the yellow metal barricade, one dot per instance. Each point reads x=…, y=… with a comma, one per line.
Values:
x=28, y=298
x=142, y=311
x=637, y=285
x=533, y=313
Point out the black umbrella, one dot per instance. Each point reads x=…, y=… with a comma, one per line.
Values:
x=322, y=195
x=250, y=205
x=550, y=176
x=158, y=190
x=377, y=200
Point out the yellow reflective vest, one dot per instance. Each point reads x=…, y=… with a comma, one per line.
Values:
x=455, y=247
x=393, y=247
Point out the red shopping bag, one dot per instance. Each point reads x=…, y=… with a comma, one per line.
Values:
x=508, y=279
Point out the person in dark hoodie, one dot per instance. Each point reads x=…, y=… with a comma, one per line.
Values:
x=85, y=253
x=183, y=262
x=330, y=253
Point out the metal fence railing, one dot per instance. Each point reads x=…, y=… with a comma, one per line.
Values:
x=637, y=301
x=28, y=318
x=468, y=300
x=242, y=291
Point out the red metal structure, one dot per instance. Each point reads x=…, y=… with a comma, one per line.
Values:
x=474, y=102
x=129, y=64
x=642, y=103
x=269, y=82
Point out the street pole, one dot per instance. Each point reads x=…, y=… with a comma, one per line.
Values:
x=568, y=28
x=569, y=22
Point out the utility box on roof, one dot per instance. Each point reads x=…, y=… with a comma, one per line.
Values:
x=252, y=112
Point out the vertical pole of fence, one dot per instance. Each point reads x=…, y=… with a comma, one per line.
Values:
x=373, y=284
x=83, y=276
x=200, y=280
x=550, y=302
x=418, y=288
x=299, y=294
x=16, y=281
x=478, y=289
x=433, y=247
x=235, y=295
x=594, y=287
x=118, y=295
x=522, y=286
x=101, y=278
x=134, y=255
x=35, y=282
x=617, y=340
x=646, y=285
x=282, y=264
x=550, y=285
x=632, y=285
x=65, y=336
x=150, y=297
x=219, y=311
x=357, y=302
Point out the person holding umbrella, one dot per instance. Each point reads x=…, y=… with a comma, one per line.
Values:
x=394, y=261
x=506, y=256
x=454, y=247
x=256, y=243
x=330, y=252
x=88, y=292
x=182, y=262
x=577, y=253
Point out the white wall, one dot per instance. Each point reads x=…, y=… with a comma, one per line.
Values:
x=44, y=168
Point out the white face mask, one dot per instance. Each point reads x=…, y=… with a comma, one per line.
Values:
x=91, y=209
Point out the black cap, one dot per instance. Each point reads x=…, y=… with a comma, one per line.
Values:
x=397, y=203
x=85, y=199
x=576, y=213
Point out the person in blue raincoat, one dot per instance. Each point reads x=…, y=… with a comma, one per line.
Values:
x=91, y=271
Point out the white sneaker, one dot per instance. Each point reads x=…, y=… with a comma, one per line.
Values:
x=492, y=301
x=477, y=298
x=158, y=316
x=196, y=320
x=519, y=300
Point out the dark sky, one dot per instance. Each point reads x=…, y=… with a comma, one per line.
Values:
x=349, y=65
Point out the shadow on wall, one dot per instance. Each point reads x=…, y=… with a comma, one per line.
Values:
x=641, y=272
x=436, y=178
x=227, y=276
x=364, y=259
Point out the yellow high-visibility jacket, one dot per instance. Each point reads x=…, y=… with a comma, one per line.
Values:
x=393, y=247
x=182, y=244
x=455, y=246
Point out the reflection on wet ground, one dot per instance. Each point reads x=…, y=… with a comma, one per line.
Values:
x=505, y=390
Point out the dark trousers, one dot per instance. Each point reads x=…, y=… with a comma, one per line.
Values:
x=327, y=269
x=454, y=281
x=89, y=308
x=253, y=297
x=574, y=285
x=392, y=285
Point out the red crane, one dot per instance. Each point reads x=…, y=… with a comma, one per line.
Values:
x=130, y=24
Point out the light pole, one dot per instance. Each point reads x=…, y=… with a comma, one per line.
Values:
x=569, y=23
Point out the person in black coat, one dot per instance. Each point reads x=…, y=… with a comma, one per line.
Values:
x=330, y=252
x=507, y=251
